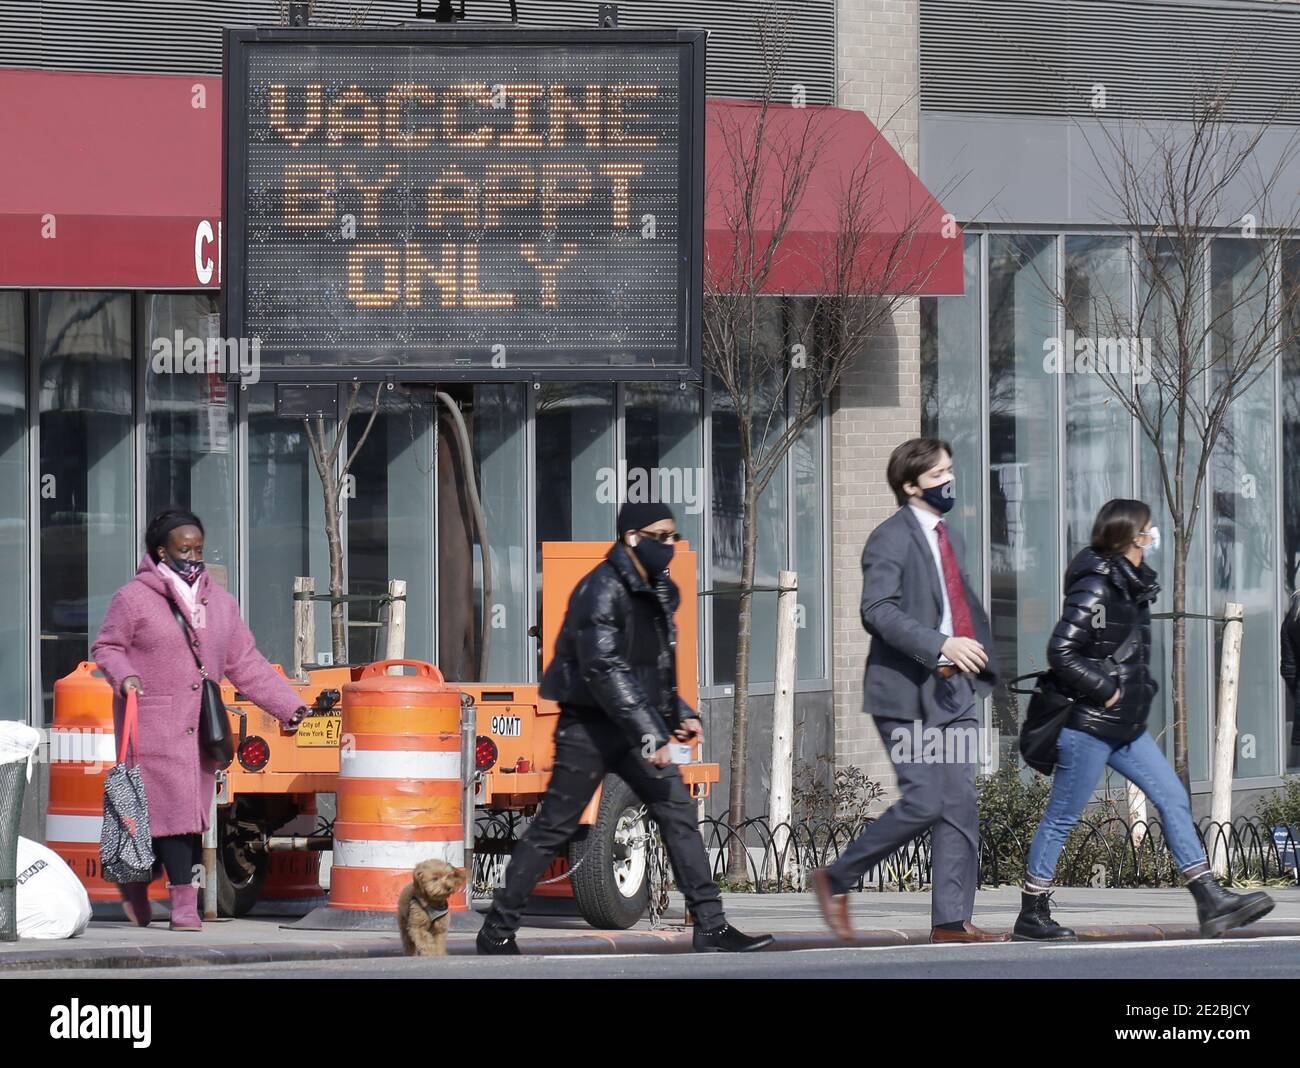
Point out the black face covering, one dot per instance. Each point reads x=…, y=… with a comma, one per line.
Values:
x=942, y=497
x=655, y=556
x=189, y=570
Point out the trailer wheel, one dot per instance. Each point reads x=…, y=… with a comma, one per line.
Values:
x=612, y=886
x=241, y=872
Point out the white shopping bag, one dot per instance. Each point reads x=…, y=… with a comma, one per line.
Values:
x=52, y=903
x=18, y=742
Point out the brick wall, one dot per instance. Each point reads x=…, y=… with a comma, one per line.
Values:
x=878, y=402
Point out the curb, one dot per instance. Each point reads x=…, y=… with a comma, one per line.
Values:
x=636, y=942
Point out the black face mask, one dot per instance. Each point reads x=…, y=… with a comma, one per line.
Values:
x=655, y=556
x=189, y=570
x=942, y=497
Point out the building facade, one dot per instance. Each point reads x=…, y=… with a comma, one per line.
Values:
x=92, y=442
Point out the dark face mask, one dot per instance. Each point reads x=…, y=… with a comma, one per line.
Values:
x=189, y=570
x=655, y=556
x=942, y=497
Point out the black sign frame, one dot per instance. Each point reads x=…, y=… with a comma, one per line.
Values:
x=690, y=42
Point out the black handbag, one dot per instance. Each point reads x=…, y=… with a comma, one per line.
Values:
x=1049, y=709
x=215, y=739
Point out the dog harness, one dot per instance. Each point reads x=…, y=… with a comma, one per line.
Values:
x=434, y=914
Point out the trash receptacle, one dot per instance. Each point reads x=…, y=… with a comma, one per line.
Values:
x=18, y=744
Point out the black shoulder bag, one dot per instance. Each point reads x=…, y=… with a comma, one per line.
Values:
x=215, y=741
x=1049, y=709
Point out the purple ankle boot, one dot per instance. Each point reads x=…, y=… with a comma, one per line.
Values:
x=135, y=903
x=185, y=907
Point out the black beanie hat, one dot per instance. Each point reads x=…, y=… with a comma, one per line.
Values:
x=639, y=516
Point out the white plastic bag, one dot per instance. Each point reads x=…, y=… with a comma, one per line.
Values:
x=18, y=742
x=52, y=903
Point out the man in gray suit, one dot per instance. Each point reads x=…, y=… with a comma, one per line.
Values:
x=929, y=662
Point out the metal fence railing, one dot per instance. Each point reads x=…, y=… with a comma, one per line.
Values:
x=1101, y=852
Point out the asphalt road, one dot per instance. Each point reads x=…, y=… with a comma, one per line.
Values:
x=1262, y=958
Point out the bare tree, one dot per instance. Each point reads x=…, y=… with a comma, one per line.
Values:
x=862, y=270
x=1206, y=320
x=326, y=448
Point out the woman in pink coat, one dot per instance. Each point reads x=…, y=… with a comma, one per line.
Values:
x=141, y=647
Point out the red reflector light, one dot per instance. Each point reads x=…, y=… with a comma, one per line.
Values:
x=485, y=753
x=254, y=753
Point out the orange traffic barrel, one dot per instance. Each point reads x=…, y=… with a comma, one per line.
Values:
x=399, y=795
x=82, y=750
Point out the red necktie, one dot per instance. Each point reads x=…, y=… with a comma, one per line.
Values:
x=961, y=621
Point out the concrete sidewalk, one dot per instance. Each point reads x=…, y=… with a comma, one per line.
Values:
x=884, y=919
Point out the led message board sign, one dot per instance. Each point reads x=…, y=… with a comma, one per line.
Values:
x=465, y=203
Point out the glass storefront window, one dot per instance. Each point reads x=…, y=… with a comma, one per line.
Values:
x=1023, y=490
x=499, y=432
x=1243, y=564
x=190, y=429
x=728, y=529
x=15, y=631
x=662, y=443
x=809, y=556
x=951, y=390
x=1156, y=321
x=389, y=507
x=1098, y=428
x=87, y=468
x=1289, y=358
x=286, y=527
x=577, y=482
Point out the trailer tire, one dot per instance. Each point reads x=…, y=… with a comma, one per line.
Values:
x=612, y=886
x=241, y=873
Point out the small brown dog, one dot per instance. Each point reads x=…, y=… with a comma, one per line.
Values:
x=422, y=908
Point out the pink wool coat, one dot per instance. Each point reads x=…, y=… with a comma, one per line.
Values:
x=141, y=637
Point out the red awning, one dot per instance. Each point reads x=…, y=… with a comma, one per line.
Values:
x=858, y=184
x=107, y=179
x=114, y=181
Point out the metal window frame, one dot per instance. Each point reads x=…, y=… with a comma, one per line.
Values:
x=35, y=700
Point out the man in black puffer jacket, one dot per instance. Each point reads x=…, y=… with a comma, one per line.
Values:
x=614, y=676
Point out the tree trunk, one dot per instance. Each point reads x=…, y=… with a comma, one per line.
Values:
x=334, y=538
x=1179, y=671
x=737, y=860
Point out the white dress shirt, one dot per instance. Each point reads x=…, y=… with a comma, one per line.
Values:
x=929, y=524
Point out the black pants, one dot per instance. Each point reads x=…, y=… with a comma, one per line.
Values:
x=178, y=854
x=587, y=746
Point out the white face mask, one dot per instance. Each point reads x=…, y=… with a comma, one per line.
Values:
x=1154, y=534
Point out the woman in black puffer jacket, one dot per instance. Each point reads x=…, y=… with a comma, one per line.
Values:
x=1100, y=654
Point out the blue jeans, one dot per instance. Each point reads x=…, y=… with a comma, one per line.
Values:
x=1080, y=760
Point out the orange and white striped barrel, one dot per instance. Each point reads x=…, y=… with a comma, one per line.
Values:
x=82, y=751
x=399, y=793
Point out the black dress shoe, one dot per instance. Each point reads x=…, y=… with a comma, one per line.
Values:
x=496, y=947
x=726, y=939
x=1035, y=923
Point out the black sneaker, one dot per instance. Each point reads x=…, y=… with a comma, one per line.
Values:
x=726, y=939
x=495, y=947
